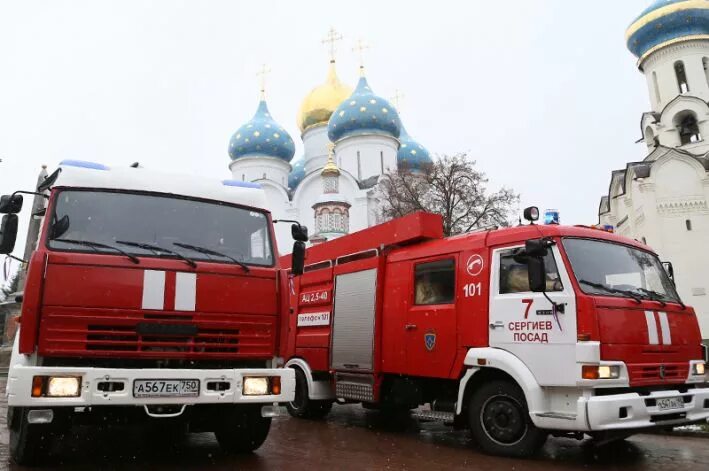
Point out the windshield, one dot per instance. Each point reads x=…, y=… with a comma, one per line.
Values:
x=139, y=224
x=618, y=270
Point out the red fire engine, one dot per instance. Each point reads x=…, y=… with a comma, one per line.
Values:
x=516, y=333
x=149, y=296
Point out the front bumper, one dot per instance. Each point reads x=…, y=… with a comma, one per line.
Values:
x=19, y=386
x=631, y=410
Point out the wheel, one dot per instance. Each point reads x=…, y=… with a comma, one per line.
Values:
x=302, y=406
x=29, y=443
x=499, y=421
x=241, y=429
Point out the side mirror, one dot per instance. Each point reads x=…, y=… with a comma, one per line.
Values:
x=48, y=181
x=537, y=274
x=10, y=204
x=537, y=247
x=299, y=233
x=59, y=227
x=8, y=233
x=298, y=258
x=670, y=270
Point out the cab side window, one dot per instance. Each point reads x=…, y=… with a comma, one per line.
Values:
x=514, y=273
x=434, y=282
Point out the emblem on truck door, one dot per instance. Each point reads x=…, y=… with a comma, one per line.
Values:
x=429, y=340
x=475, y=265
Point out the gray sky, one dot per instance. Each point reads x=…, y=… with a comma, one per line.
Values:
x=543, y=94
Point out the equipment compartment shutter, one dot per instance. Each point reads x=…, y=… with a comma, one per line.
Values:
x=353, y=323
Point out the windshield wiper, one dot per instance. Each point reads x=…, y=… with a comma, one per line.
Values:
x=654, y=295
x=608, y=289
x=157, y=249
x=95, y=245
x=207, y=251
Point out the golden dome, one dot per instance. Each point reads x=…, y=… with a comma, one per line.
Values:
x=330, y=167
x=322, y=100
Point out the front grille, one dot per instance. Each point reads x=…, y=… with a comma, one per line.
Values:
x=644, y=374
x=193, y=337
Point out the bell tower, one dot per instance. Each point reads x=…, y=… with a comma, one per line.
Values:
x=671, y=41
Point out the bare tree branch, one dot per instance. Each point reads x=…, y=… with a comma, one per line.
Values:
x=451, y=187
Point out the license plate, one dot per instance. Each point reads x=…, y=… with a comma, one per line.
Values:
x=166, y=388
x=670, y=403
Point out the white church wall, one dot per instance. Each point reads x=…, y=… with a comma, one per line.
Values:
x=365, y=156
x=250, y=169
x=278, y=205
x=659, y=70
x=315, y=143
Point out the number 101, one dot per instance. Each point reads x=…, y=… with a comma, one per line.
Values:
x=472, y=289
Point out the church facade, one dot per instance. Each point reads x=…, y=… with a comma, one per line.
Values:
x=351, y=137
x=663, y=199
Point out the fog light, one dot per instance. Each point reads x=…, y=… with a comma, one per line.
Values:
x=698, y=369
x=255, y=386
x=63, y=386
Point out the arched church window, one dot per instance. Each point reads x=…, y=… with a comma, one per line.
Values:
x=359, y=167
x=658, y=98
x=705, y=63
x=681, y=77
x=337, y=220
x=650, y=138
x=688, y=128
x=688, y=223
x=346, y=223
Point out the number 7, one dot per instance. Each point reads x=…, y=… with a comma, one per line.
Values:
x=529, y=303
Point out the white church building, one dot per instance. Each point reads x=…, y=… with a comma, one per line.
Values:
x=350, y=138
x=662, y=199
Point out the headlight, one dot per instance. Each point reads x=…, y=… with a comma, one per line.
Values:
x=255, y=386
x=698, y=369
x=600, y=372
x=56, y=386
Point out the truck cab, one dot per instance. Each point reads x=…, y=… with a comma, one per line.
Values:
x=516, y=333
x=148, y=296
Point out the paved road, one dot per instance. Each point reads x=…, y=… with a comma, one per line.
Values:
x=355, y=439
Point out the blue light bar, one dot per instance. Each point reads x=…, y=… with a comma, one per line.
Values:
x=83, y=164
x=241, y=184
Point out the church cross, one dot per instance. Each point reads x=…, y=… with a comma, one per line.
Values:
x=397, y=98
x=332, y=37
x=261, y=74
x=359, y=48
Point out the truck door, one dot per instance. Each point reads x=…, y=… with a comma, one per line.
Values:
x=430, y=327
x=525, y=323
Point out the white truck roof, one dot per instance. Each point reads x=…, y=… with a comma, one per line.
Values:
x=81, y=174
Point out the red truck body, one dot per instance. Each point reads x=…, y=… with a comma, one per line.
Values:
x=358, y=332
x=153, y=292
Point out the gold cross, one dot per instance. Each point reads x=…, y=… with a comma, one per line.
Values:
x=397, y=98
x=359, y=48
x=262, y=77
x=331, y=38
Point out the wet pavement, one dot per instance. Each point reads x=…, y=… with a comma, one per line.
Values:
x=352, y=438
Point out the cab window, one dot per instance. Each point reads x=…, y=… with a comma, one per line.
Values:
x=434, y=282
x=514, y=272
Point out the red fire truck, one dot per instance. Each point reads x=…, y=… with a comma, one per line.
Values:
x=149, y=296
x=516, y=333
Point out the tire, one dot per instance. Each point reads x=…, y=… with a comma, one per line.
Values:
x=29, y=443
x=241, y=429
x=499, y=421
x=302, y=406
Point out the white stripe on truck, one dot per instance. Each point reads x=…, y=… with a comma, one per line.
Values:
x=153, y=289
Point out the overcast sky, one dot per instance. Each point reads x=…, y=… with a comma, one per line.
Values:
x=543, y=94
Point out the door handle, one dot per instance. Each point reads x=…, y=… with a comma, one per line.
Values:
x=498, y=324
x=410, y=326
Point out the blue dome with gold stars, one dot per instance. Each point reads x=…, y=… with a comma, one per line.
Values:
x=297, y=174
x=261, y=136
x=363, y=113
x=668, y=21
x=412, y=154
